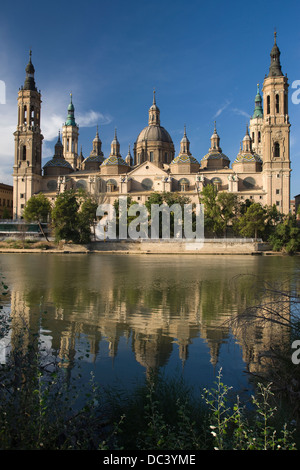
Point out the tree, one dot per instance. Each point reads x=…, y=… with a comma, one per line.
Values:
x=37, y=209
x=65, y=219
x=252, y=221
x=73, y=215
x=220, y=209
x=286, y=236
x=86, y=217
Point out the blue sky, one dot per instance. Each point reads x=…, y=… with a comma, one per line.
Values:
x=204, y=60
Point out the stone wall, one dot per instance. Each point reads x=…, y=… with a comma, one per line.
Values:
x=208, y=246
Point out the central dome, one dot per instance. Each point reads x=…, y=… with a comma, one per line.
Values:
x=154, y=133
x=154, y=143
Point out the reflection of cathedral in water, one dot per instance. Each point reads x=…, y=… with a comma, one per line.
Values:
x=157, y=318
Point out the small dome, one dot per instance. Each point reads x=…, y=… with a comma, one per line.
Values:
x=58, y=162
x=154, y=133
x=94, y=158
x=215, y=156
x=114, y=160
x=184, y=159
x=246, y=157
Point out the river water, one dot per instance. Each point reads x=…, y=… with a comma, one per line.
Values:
x=123, y=316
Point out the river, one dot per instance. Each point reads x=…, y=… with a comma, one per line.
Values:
x=122, y=316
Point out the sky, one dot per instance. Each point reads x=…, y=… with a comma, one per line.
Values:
x=204, y=60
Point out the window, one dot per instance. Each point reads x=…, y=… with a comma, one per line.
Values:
x=21, y=196
x=81, y=184
x=285, y=104
x=277, y=191
x=277, y=203
x=111, y=185
x=277, y=103
x=259, y=137
x=24, y=153
x=268, y=104
x=166, y=157
x=276, y=150
x=253, y=137
x=249, y=182
x=151, y=157
x=184, y=184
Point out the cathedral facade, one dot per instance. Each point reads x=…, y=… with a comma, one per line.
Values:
x=259, y=172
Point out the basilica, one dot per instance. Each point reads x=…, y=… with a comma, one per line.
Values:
x=259, y=172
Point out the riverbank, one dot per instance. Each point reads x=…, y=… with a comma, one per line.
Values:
x=127, y=247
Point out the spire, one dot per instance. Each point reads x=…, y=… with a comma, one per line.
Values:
x=258, y=111
x=58, y=147
x=128, y=158
x=71, y=117
x=215, y=140
x=29, y=80
x=247, y=142
x=275, y=67
x=97, y=145
x=115, y=146
x=154, y=113
x=185, y=143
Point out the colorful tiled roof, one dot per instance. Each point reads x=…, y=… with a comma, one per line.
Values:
x=114, y=160
x=184, y=159
x=58, y=162
x=246, y=157
x=215, y=156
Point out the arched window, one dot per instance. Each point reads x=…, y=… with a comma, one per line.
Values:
x=217, y=182
x=277, y=103
x=151, y=157
x=24, y=153
x=259, y=137
x=32, y=116
x=268, y=104
x=81, y=184
x=249, y=183
x=276, y=150
x=184, y=184
x=285, y=104
x=111, y=185
x=25, y=114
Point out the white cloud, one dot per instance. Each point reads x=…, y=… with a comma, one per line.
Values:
x=240, y=112
x=220, y=110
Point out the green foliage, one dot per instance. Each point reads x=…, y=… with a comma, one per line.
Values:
x=37, y=208
x=232, y=429
x=220, y=208
x=252, y=222
x=65, y=217
x=286, y=236
x=72, y=216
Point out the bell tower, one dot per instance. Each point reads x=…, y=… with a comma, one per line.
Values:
x=27, y=170
x=276, y=135
x=70, y=135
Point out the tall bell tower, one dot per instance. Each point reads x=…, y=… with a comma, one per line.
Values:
x=276, y=135
x=27, y=170
x=70, y=135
